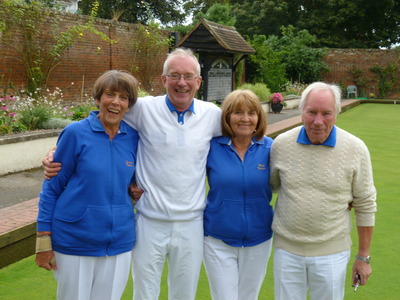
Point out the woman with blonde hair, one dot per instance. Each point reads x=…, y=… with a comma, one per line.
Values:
x=238, y=215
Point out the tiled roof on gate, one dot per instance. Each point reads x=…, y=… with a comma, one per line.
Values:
x=208, y=36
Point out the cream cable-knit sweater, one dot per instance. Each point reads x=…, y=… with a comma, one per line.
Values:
x=315, y=185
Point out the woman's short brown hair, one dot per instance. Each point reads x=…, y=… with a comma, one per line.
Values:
x=117, y=81
x=236, y=100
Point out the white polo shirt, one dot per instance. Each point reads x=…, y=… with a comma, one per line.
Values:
x=171, y=159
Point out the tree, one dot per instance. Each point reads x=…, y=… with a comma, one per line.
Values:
x=335, y=23
x=168, y=12
x=196, y=6
x=218, y=13
x=260, y=17
x=303, y=62
x=265, y=65
x=349, y=24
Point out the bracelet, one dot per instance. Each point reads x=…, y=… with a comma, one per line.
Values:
x=42, y=234
x=43, y=243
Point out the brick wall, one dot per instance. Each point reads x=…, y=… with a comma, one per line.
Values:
x=90, y=56
x=341, y=62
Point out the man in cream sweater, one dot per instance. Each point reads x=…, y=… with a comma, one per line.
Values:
x=319, y=172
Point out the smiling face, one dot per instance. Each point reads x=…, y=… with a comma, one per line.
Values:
x=181, y=92
x=243, y=121
x=319, y=115
x=112, y=106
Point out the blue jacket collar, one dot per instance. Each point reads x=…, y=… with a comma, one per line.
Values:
x=228, y=141
x=96, y=125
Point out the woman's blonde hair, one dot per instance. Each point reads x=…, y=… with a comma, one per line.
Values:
x=236, y=100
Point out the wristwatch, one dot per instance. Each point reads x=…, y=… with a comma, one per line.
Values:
x=366, y=259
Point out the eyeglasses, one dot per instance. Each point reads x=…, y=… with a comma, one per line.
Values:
x=177, y=77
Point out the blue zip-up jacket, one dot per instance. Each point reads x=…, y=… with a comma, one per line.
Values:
x=238, y=210
x=87, y=207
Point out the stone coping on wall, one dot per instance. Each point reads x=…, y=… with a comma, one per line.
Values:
x=28, y=136
x=24, y=151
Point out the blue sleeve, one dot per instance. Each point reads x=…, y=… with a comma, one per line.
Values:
x=67, y=154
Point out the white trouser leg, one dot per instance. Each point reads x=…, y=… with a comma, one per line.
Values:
x=290, y=276
x=220, y=262
x=235, y=272
x=181, y=243
x=324, y=276
x=253, y=263
x=88, y=277
x=148, y=257
x=327, y=276
x=111, y=277
x=185, y=256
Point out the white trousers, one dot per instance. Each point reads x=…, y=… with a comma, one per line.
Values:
x=235, y=273
x=323, y=276
x=91, y=278
x=181, y=242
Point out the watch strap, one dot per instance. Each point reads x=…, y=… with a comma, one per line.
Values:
x=366, y=259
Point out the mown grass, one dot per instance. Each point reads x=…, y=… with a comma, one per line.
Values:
x=379, y=126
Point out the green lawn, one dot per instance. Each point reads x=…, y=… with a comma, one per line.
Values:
x=379, y=126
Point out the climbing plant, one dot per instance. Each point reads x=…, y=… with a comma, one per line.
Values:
x=42, y=43
x=149, y=47
x=388, y=77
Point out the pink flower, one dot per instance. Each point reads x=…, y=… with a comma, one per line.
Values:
x=276, y=98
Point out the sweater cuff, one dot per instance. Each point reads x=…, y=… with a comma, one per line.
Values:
x=365, y=219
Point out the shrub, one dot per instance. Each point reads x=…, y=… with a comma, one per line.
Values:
x=300, y=59
x=35, y=117
x=266, y=65
x=81, y=112
x=260, y=89
x=56, y=123
x=5, y=128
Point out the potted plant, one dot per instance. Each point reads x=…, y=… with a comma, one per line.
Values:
x=277, y=102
